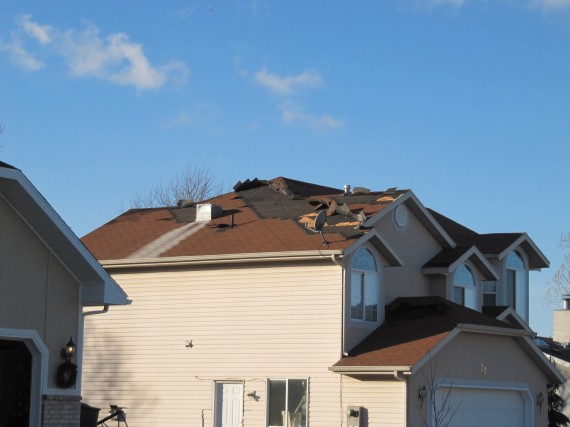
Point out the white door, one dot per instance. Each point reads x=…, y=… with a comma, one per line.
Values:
x=229, y=401
x=482, y=407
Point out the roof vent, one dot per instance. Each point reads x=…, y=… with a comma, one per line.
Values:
x=401, y=216
x=346, y=189
x=361, y=190
x=207, y=211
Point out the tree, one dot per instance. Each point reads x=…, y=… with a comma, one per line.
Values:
x=560, y=282
x=192, y=183
x=556, y=404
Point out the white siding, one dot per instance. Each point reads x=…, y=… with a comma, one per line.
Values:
x=246, y=324
x=384, y=401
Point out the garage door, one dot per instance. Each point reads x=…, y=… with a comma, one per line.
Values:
x=482, y=407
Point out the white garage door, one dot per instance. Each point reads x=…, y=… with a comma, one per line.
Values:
x=482, y=407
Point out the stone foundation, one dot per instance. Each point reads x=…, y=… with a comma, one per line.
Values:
x=61, y=411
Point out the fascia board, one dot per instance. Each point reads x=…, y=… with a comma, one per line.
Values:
x=421, y=212
x=370, y=370
x=549, y=367
x=475, y=256
x=221, y=259
x=525, y=239
x=472, y=254
x=99, y=275
x=511, y=312
x=381, y=244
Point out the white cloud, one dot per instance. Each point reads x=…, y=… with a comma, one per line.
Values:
x=319, y=123
x=115, y=58
x=287, y=84
x=19, y=56
x=39, y=32
x=551, y=5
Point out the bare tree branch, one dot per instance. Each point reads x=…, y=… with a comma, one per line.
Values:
x=192, y=183
x=560, y=282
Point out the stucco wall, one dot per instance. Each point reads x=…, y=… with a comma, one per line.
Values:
x=38, y=293
x=486, y=360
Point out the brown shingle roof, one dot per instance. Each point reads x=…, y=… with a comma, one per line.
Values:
x=412, y=328
x=260, y=216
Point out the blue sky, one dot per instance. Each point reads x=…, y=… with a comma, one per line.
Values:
x=466, y=102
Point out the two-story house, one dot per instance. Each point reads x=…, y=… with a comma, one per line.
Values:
x=285, y=303
x=47, y=279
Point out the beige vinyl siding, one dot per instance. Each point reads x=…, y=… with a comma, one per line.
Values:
x=383, y=400
x=246, y=324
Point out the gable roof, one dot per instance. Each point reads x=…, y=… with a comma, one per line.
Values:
x=493, y=245
x=417, y=327
x=97, y=287
x=413, y=327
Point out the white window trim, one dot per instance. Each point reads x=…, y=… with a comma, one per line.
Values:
x=286, y=379
x=40, y=356
x=475, y=287
x=358, y=323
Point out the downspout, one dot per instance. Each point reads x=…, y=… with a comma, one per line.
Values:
x=401, y=377
x=342, y=329
x=104, y=310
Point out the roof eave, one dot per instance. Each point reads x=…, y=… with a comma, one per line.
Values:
x=56, y=235
x=370, y=370
x=283, y=256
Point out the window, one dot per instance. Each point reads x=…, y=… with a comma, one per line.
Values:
x=364, y=287
x=287, y=403
x=516, y=286
x=464, y=290
x=489, y=292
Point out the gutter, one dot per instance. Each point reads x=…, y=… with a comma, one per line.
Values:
x=373, y=370
x=494, y=330
x=220, y=259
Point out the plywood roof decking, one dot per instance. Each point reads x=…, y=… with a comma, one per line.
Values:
x=260, y=216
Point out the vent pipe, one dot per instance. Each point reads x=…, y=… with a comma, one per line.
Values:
x=346, y=189
x=566, y=301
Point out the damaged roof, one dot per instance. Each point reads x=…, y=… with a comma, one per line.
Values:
x=258, y=216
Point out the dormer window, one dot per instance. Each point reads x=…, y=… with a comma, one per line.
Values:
x=516, y=284
x=464, y=290
x=364, y=287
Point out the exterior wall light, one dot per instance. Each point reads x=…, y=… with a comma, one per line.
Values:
x=422, y=393
x=68, y=351
x=67, y=371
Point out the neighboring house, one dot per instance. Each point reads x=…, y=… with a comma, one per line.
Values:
x=46, y=277
x=245, y=314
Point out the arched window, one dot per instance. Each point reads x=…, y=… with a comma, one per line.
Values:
x=464, y=290
x=516, y=286
x=364, y=287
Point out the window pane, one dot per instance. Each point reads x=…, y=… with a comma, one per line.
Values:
x=489, y=286
x=463, y=277
x=276, y=402
x=511, y=287
x=521, y=296
x=297, y=403
x=470, y=298
x=371, y=297
x=459, y=295
x=356, y=301
x=515, y=262
x=363, y=260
